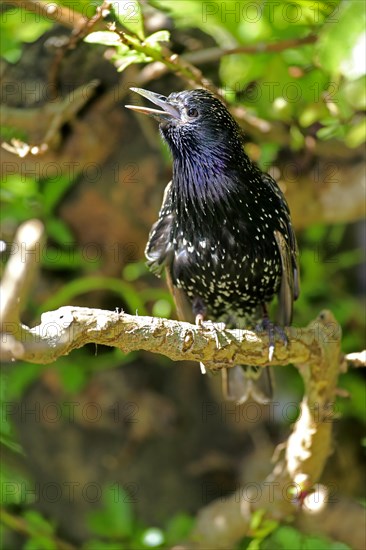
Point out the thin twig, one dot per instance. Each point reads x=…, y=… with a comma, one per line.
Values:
x=21, y=526
x=213, y=54
x=78, y=33
x=54, y=113
x=172, y=61
x=52, y=11
x=20, y=271
x=167, y=61
x=354, y=360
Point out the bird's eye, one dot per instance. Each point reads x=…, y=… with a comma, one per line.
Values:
x=192, y=112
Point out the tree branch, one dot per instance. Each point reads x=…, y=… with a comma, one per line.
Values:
x=222, y=523
x=315, y=350
x=337, y=521
x=72, y=327
x=54, y=12
x=354, y=360
x=53, y=115
x=21, y=526
x=20, y=271
x=213, y=54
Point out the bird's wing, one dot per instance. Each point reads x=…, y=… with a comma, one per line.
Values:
x=286, y=292
x=160, y=254
x=287, y=246
x=159, y=250
x=182, y=303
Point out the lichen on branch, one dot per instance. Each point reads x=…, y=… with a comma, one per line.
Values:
x=314, y=350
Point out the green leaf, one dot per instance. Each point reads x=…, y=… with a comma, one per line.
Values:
x=68, y=258
x=256, y=519
x=115, y=519
x=208, y=16
x=356, y=134
x=288, y=538
x=334, y=130
x=86, y=7
x=107, y=38
x=354, y=93
x=40, y=543
x=355, y=406
x=134, y=270
x=5, y=425
x=53, y=190
x=178, y=528
x=18, y=26
x=130, y=57
x=268, y=155
x=20, y=185
x=20, y=378
x=254, y=544
x=284, y=538
x=297, y=138
x=312, y=113
x=128, y=13
x=59, y=232
x=282, y=109
x=73, y=374
x=37, y=524
x=162, y=308
x=13, y=485
x=124, y=58
x=11, y=444
x=153, y=41
x=341, y=43
x=95, y=544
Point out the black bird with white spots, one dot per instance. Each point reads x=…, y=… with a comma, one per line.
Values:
x=224, y=234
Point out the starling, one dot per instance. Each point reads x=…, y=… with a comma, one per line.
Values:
x=224, y=234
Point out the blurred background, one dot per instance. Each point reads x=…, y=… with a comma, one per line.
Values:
x=105, y=450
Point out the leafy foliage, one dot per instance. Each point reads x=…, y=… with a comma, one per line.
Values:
x=287, y=537
x=316, y=89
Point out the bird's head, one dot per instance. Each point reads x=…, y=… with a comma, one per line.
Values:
x=193, y=119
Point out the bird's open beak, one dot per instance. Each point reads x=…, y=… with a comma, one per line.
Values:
x=168, y=112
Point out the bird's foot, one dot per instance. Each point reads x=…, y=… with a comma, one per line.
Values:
x=199, y=319
x=272, y=330
x=203, y=368
x=209, y=326
x=217, y=328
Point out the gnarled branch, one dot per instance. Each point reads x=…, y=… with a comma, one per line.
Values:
x=72, y=327
x=315, y=350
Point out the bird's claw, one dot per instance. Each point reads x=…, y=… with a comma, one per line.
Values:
x=217, y=328
x=271, y=349
x=209, y=325
x=272, y=330
x=199, y=319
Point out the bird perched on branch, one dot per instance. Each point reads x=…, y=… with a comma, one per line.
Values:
x=224, y=233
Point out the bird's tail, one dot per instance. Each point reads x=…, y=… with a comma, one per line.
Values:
x=244, y=383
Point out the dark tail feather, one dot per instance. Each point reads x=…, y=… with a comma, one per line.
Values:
x=244, y=383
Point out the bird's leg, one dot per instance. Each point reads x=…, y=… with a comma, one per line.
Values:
x=272, y=330
x=199, y=311
x=225, y=385
x=199, y=319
